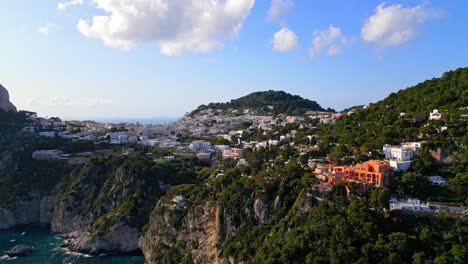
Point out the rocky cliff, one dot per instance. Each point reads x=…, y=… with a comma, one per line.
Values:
x=103, y=207
x=187, y=227
x=5, y=103
x=37, y=209
x=192, y=235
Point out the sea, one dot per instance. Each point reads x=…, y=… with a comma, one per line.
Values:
x=143, y=121
x=47, y=250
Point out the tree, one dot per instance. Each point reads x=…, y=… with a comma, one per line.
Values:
x=379, y=198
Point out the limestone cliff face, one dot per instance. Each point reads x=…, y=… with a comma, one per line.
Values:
x=29, y=211
x=5, y=103
x=103, y=208
x=196, y=232
x=186, y=227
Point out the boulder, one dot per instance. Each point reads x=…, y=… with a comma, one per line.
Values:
x=19, y=250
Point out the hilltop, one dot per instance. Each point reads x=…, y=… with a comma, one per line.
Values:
x=5, y=103
x=276, y=102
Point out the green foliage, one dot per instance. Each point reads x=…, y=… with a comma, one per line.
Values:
x=381, y=122
x=282, y=103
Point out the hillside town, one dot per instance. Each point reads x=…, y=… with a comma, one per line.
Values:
x=213, y=135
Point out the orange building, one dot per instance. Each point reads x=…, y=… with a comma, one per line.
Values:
x=375, y=173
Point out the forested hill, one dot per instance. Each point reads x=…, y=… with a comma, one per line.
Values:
x=404, y=116
x=277, y=102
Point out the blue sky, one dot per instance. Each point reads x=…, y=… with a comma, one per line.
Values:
x=163, y=62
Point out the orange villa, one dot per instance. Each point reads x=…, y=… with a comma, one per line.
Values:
x=370, y=173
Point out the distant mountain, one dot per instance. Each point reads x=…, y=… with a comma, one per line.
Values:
x=5, y=103
x=276, y=102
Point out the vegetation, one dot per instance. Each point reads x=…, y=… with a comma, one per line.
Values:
x=403, y=116
x=276, y=102
x=274, y=204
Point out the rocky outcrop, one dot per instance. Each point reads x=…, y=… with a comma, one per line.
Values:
x=198, y=230
x=262, y=209
x=194, y=233
x=442, y=155
x=19, y=250
x=5, y=103
x=121, y=238
x=103, y=208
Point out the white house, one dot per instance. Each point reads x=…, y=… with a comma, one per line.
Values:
x=435, y=115
x=411, y=205
x=437, y=180
x=400, y=153
x=199, y=145
x=401, y=156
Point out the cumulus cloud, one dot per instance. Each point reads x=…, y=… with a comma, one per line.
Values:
x=177, y=26
x=46, y=29
x=331, y=41
x=396, y=25
x=278, y=8
x=285, y=40
x=63, y=6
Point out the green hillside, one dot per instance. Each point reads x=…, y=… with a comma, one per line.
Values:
x=276, y=102
x=404, y=116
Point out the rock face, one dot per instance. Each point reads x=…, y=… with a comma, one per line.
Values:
x=103, y=208
x=19, y=250
x=5, y=103
x=121, y=238
x=24, y=212
x=196, y=232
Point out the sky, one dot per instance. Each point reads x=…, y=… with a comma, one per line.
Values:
x=85, y=59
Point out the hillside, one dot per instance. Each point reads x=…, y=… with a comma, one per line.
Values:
x=404, y=116
x=276, y=102
x=269, y=209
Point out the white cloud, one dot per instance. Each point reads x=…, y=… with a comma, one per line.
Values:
x=63, y=6
x=46, y=29
x=330, y=41
x=285, y=40
x=396, y=25
x=64, y=101
x=177, y=26
x=278, y=8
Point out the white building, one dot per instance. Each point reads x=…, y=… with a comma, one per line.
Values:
x=199, y=145
x=411, y=205
x=399, y=153
x=435, y=115
x=49, y=134
x=400, y=165
x=401, y=156
x=437, y=180
x=51, y=154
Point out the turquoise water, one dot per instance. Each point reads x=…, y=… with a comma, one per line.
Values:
x=46, y=249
